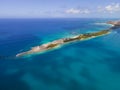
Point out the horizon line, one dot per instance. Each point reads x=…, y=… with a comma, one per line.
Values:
x=62, y=18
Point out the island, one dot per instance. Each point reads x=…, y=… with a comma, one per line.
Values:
x=56, y=43
x=59, y=42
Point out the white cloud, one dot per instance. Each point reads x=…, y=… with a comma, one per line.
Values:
x=72, y=11
x=112, y=8
x=77, y=11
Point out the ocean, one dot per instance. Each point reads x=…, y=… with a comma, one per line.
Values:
x=92, y=64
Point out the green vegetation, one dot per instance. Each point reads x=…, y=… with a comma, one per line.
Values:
x=87, y=35
x=51, y=46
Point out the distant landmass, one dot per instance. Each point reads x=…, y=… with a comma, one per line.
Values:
x=115, y=23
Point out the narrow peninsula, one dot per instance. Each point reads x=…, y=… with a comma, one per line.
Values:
x=59, y=42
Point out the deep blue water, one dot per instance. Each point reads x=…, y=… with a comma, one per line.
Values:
x=87, y=65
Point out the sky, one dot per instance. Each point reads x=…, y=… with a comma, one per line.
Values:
x=59, y=8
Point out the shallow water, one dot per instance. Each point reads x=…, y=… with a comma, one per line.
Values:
x=87, y=65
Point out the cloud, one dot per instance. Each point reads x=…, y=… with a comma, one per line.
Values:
x=112, y=8
x=73, y=11
x=77, y=11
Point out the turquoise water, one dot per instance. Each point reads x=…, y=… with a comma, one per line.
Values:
x=87, y=65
